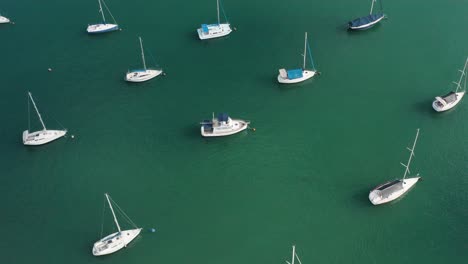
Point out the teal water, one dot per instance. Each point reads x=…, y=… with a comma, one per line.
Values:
x=302, y=178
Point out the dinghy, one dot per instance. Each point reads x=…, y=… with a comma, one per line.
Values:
x=102, y=27
x=42, y=136
x=209, y=31
x=144, y=74
x=369, y=21
x=298, y=75
x=448, y=101
x=223, y=125
x=117, y=240
x=391, y=190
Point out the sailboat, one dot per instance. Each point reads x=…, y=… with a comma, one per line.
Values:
x=369, y=21
x=391, y=190
x=4, y=20
x=117, y=240
x=42, y=136
x=144, y=74
x=209, y=31
x=102, y=27
x=294, y=256
x=298, y=75
x=448, y=101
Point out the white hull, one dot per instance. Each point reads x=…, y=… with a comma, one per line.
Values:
x=141, y=76
x=4, y=20
x=114, y=242
x=377, y=199
x=215, y=31
x=305, y=76
x=101, y=28
x=237, y=126
x=42, y=137
x=440, y=107
x=371, y=24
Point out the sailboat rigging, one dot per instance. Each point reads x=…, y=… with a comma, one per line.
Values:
x=141, y=75
x=104, y=26
x=42, y=136
x=299, y=75
x=209, y=31
x=117, y=240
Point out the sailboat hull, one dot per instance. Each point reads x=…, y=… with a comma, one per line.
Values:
x=306, y=74
x=42, y=137
x=440, y=105
x=142, y=75
x=214, y=31
x=101, y=28
x=366, y=22
x=114, y=242
x=377, y=196
x=4, y=20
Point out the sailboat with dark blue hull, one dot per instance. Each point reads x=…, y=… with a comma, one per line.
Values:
x=369, y=21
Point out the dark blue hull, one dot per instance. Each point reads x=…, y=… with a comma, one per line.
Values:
x=366, y=22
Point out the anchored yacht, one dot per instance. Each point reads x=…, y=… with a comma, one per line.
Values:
x=222, y=125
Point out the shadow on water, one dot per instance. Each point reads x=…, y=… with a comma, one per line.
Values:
x=425, y=107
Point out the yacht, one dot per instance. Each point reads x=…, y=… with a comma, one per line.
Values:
x=448, y=101
x=222, y=125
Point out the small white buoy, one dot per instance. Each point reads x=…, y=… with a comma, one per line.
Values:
x=50, y=69
x=72, y=136
x=152, y=230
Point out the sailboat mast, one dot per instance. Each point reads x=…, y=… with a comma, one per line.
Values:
x=217, y=9
x=102, y=12
x=462, y=75
x=305, y=51
x=293, y=254
x=372, y=6
x=112, y=210
x=37, y=111
x=142, y=53
x=412, y=154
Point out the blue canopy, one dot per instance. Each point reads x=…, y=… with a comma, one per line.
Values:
x=294, y=74
x=205, y=28
x=362, y=21
x=223, y=117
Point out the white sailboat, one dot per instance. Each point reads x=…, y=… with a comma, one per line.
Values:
x=144, y=74
x=117, y=240
x=42, y=136
x=298, y=75
x=391, y=190
x=222, y=125
x=448, y=101
x=209, y=31
x=4, y=20
x=102, y=27
x=294, y=256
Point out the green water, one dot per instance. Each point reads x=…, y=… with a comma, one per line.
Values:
x=302, y=178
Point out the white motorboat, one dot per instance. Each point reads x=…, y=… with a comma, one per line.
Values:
x=4, y=20
x=448, y=101
x=298, y=75
x=117, y=240
x=144, y=74
x=391, y=190
x=222, y=125
x=42, y=136
x=209, y=31
x=102, y=27
x=294, y=256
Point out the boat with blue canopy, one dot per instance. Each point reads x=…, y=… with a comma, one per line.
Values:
x=368, y=21
x=222, y=125
x=209, y=31
x=301, y=74
x=104, y=26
